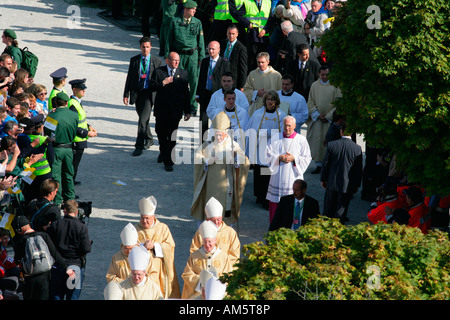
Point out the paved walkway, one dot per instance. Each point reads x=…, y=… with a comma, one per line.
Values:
x=100, y=51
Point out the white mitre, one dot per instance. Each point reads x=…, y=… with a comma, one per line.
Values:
x=147, y=206
x=129, y=235
x=139, y=258
x=208, y=230
x=213, y=208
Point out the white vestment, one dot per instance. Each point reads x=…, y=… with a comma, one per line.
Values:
x=217, y=103
x=259, y=130
x=296, y=106
x=284, y=174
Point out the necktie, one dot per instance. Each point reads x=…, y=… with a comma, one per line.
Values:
x=143, y=77
x=297, y=210
x=210, y=71
x=172, y=72
x=228, y=52
x=258, y=3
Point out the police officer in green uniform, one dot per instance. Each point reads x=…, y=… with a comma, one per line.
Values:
x=62, y=125
x=59, y=81
x=84, y=131
x=185, y=36
x=169, y=9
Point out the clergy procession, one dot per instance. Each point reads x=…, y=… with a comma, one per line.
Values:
x=256, y=82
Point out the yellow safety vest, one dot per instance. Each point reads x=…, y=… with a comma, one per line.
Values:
x=42, y=166
x=82, y=122
x=257, y=17
x=53, y=93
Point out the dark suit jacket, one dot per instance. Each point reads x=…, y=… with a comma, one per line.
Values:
x=284, y=215
x=132, y=83
x=342, y=166
x=172, y=100
x=238, y=62
x=303, y=80
x=290, y=44
x=221, y=66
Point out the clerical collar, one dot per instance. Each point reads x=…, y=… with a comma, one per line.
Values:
x=287, y=93
x=293, y=134
x=271, y=111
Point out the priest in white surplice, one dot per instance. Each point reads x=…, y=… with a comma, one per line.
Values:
x=216, y=103
x=263, y=123
x=238, y=118
x=289, y=157
x=292, y=102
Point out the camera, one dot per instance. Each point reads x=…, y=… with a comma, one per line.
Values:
x=84, y=211
x=310, y=23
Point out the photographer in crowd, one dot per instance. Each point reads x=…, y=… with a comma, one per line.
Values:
x=71, y=238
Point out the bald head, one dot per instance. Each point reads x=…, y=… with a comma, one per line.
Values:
x=213, y=49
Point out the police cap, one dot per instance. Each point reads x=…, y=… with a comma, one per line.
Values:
x=190, y=4
x=78, y=83
x=59, y=74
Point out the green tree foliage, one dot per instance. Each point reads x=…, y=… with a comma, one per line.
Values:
x=325, y=260
x=395, y=81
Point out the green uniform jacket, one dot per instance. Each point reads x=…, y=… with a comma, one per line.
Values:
x=66, y=128
x=183, y=36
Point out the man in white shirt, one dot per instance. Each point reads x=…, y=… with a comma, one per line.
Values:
x=216, y=102
x=292, y=102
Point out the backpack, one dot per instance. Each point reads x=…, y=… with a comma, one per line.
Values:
x=37, y=257
x=29, y=61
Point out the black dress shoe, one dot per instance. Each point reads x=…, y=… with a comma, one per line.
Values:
x=160, y=158
x=168, y=168
x=316, y=171
x=137, y=152
x=148, y=144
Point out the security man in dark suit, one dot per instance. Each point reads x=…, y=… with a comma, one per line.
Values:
x=304, y=69
x=296, y=209
x=235, y=53
x=172, y=100
x=136, y=92
x=211, y=70
x=341, y=174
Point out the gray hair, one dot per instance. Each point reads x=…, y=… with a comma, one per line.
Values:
x=289, y=117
